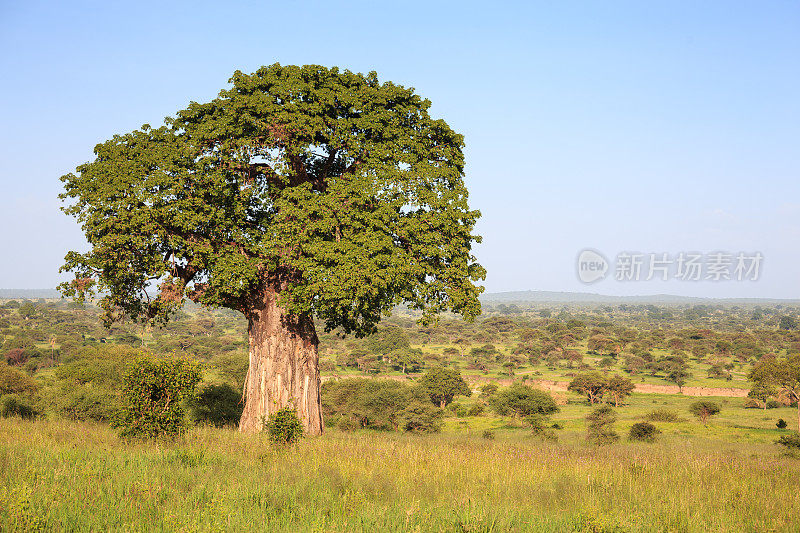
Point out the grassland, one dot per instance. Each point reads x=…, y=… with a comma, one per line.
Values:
x=727, y=476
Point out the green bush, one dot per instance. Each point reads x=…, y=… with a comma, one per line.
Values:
x=704, y=409
x=369, y=403
x=644, y=432
x=790, y=441
x=488, y=434
x=15, y=405
x=89, y=383
x=216, y=404
x=539, y=427
x=781, y=423
x=443, y=384
x=600, y=430
x=13, y=381
x=663, y=415
x=153, y=395
x=522, y=400
x=283, y=427
x=475, y=410
x=421, y=417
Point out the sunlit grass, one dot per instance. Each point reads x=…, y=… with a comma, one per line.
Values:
x=80, y=477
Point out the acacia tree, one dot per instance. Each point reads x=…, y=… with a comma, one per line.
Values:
x=592, y=384
x=782, y=375
x=299, y=192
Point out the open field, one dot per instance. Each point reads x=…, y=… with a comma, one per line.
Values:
x=67, y=470
x=728, y=476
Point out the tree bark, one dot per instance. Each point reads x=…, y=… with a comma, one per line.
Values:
x=284, y=367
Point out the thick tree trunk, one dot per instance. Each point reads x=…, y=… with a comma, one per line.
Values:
x=284, y=367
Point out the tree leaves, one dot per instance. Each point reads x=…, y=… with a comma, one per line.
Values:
x=335, y=190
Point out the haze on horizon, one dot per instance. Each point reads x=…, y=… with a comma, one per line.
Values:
x=620, y=127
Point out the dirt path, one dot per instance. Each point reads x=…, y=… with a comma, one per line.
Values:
x=646, y=388
x=561, y=386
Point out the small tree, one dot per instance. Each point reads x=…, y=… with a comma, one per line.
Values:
x=678, y=377
x=704, y=409
x=600, y=430
x=420, y=417
x=783, y=375
x=592, y=384
x=152, y=397
x=643, y=431
x=762, y=392
x=523, y=401
x=619, y=388
x=443, y=384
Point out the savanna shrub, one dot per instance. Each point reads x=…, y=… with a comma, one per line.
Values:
x=216, y=404
x=600, y=430
x=153, y=394
x=522, y=400
x=15, y=405
x=88, y=385
x=475, y=410
x=790, y=441
x=643, y=431
x=781, y=423
x=369, y=403
x=13, y=381
x=704, y=409
x=421, y=417
x=283, y=427
x=488, y=434
x=539, y=428
x=663, y=415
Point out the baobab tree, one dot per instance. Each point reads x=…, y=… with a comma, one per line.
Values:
x=299, y=193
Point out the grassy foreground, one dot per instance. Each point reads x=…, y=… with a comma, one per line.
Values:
x=78, y=477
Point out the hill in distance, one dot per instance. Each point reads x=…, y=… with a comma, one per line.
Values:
x=518, y=296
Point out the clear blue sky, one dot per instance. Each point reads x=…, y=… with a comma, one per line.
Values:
x=640, y=126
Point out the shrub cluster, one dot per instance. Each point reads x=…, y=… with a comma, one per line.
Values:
x=644, y=432
x=153, y=395
x=383, y=404
x=284, y=427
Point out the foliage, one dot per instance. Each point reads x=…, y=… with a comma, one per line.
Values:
x=762, y=391
x=421, y=417
x=781, y=423
x=284, y=427
x=13, y=381
x=619, y=388
x=782, y=375
x=16, y=405
x=791, y=440
x=663, y=415
x=704, y=409
x=539, y=428
x=592, y=384
x=643, y=431
x=523, y=401
x=336, y=189
x=488, y=389
x=217, y=404
x=443, y=384
x=152, y=397
x=600, y=428
x=89, y=383
x=371, y=403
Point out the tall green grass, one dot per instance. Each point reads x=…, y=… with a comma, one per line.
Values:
x=77, y=477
